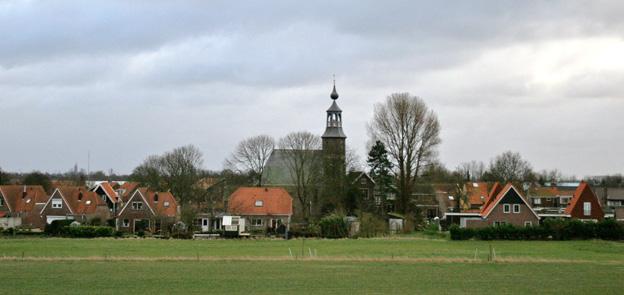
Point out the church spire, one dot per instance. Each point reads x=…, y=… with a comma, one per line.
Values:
x=334, y=117
x=334, y=94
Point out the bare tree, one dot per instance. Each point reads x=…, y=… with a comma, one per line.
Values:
x=303, y=159
x=352, y=160
x=410, y=131
x=251, y=155
x=510, y=167
x=177, y=171
x=472, y=170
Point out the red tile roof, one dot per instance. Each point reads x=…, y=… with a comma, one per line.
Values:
x=477, y=192
x=80, y=199
x=159, y=206
x=110, y=192
x=583, y=191
x=18, y=202
x=260, y=201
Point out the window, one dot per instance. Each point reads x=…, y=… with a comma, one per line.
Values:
x=499, y=223
x=125, y=223
x=506, y=208
x=586, y=208
x=137, y=206
x=1, y=202
x=88, y=202
x=537, y=201
x=516, y=208
x=528, y=223
x=155, y=198
x=57, y=203
x=166, y=204
x=565, y=200
x=259, y=203
x=256, y=222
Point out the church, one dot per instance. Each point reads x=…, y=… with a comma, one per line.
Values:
x=326, y=168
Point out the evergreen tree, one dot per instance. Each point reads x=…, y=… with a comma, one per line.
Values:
x=381, y=172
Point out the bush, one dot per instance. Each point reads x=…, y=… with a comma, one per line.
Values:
x=55, y=228
x=458, y=233
x=298, y=230
x=85, y=231
x=334, y=226
x=555, y=229
x=372, y=226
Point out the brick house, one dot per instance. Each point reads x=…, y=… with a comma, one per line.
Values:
x=264, y=208
x=147, y=210
x=76, y=203
x=107, y=194
x=584, y=204
x=504, y=205
x=21, y=204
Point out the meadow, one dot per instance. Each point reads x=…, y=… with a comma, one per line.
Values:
x=263, y=266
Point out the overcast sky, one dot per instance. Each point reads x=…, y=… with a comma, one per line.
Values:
x=128, y=79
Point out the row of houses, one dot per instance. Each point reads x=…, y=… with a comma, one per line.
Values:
x=126, y=206
x=131, y=208
x=493, y=205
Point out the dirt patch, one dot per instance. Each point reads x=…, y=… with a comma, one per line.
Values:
x=442, y=260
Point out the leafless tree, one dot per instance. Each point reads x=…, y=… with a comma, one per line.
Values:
x=251, y=155
x=177, y=171
x=510, y=167
x=303, y=159
x=410, y=132
x=472, y=170
x=352, y=160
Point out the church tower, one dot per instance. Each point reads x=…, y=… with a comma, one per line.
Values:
x=334, y=162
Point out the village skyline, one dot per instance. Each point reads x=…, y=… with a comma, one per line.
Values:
x=154, y=84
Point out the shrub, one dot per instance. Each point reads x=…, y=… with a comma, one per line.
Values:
x=556, y=229
x=458, y=233
x=610, y=229
x=334, y=226
x=372, y=226
x=85, y=231
x=55, y=228
x=298, y=230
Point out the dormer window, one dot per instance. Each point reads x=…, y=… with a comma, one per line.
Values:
x=166, y=204
x=259, y=203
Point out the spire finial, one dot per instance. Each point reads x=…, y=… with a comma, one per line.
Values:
x=334, y=94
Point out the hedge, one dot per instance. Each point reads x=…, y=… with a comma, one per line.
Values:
x=334, y=226
x=551, y=229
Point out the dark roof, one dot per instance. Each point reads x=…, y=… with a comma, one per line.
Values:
x=334, y=108
x=276, y=170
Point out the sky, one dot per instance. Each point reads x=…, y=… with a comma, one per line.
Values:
x=105, y=84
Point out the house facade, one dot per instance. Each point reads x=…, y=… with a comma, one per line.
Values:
x=264, y=208
x=584, y=204
x=20, y=206
x=74, y=203
x=147, y=210
x=504, y=205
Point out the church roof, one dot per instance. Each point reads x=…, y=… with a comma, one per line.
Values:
x=276, y=170
x=334, y=132
x=334, y=108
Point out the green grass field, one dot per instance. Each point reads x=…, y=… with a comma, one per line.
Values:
x=399, y=265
